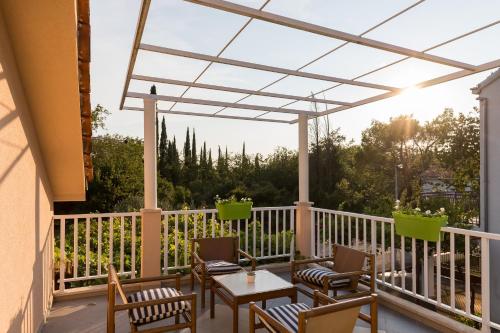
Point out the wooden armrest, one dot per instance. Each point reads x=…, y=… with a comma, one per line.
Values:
x=296, y=263
x=320, y=298
x=128, y=306
x=176, y=276
x=264, y=316
x=196, y=258
x=249, y=257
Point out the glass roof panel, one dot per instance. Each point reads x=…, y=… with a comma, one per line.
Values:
x=433, y=22
x=275, y=45
x=239, y=77
x=186, y=26
x=354, y=16
x=166, y=66
x=409, y=72
x=487, y=41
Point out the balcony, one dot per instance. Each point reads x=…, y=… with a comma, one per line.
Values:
x=446, y=282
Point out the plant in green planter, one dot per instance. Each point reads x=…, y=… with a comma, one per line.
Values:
x=232, y=209
x=412, y=222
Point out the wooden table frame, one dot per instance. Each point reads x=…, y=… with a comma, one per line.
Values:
x=235, y=301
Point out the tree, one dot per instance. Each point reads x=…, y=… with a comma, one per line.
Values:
x=163, y=152
x=186, y=170
x=98, y=116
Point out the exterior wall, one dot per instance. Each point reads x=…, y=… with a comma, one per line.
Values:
x=490, y=182
x=25, y=207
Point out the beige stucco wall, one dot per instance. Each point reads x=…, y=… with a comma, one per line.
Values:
x=44, y=43
x=25, y=206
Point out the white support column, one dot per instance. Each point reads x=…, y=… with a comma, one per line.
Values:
x=150, y=215
x=150, y=154
x=304, y=228
x=303, y=159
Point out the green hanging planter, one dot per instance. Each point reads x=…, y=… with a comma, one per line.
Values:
x=234, y=210
x=419, y=227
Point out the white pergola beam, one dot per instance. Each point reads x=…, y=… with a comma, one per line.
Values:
x=266, y=68
x=324, y=31
x=218, y=103
x=209, y=115
x=139, y=30
x=428, y=83
x=235, y=90
x=446, y=42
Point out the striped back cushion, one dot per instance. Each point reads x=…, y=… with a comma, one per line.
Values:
x=315, y=276
x=149, y=314
x=218, y=267
x=288, y=314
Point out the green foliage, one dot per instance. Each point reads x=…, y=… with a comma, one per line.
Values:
x=98, y=117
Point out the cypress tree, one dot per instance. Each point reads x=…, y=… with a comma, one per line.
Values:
x=187, y=149
x=194, y=159
x=210, y=163
x=187, y=167
x=175, y=164
x=163, y=151
x=220, y=163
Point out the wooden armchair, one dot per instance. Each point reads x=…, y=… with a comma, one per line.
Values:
x=334, y=317
x=215, y=256
x=151, y=305
x=344, y=274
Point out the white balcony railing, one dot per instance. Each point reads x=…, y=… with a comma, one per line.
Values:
x=89, y=242
x=452, y=274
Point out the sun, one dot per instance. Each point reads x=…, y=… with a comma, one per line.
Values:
x=411, y=95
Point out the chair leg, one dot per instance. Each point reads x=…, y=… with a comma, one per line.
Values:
x=192, y=281
x=193, y=315
x=374, y=317
x=202, y=290
x=176, y=319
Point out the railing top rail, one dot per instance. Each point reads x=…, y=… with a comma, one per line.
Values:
x=459, y=231
x=163, y=212
x=94, y=215
x=213, y=210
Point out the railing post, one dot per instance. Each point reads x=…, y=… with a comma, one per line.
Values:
x=304, y=231
x=485, y=285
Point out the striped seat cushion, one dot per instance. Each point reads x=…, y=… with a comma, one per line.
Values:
x=315, y=276
x=219, y=267
x=288, y=314
x=149, y=314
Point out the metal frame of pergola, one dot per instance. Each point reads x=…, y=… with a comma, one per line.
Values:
x=304, y=233
x=463, y=69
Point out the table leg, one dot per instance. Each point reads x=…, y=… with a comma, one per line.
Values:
x=293, y=297
x=235, y=317
x=212, y=299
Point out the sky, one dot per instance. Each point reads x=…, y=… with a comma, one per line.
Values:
x=182, y=25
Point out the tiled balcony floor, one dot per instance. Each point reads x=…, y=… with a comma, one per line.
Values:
x=89, y=315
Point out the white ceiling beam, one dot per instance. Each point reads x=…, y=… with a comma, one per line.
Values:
x=210, y=115
x=469, y=33
x=139, y=30
x=428, y=83
x=266, y=68
x=323, y=31
x=235, y=90
x=217, y=103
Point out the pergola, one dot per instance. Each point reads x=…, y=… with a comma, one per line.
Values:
x=232, y=110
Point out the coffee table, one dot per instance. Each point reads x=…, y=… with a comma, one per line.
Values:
x=234, y=290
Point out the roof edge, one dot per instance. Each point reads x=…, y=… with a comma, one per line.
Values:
x=486, y=82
